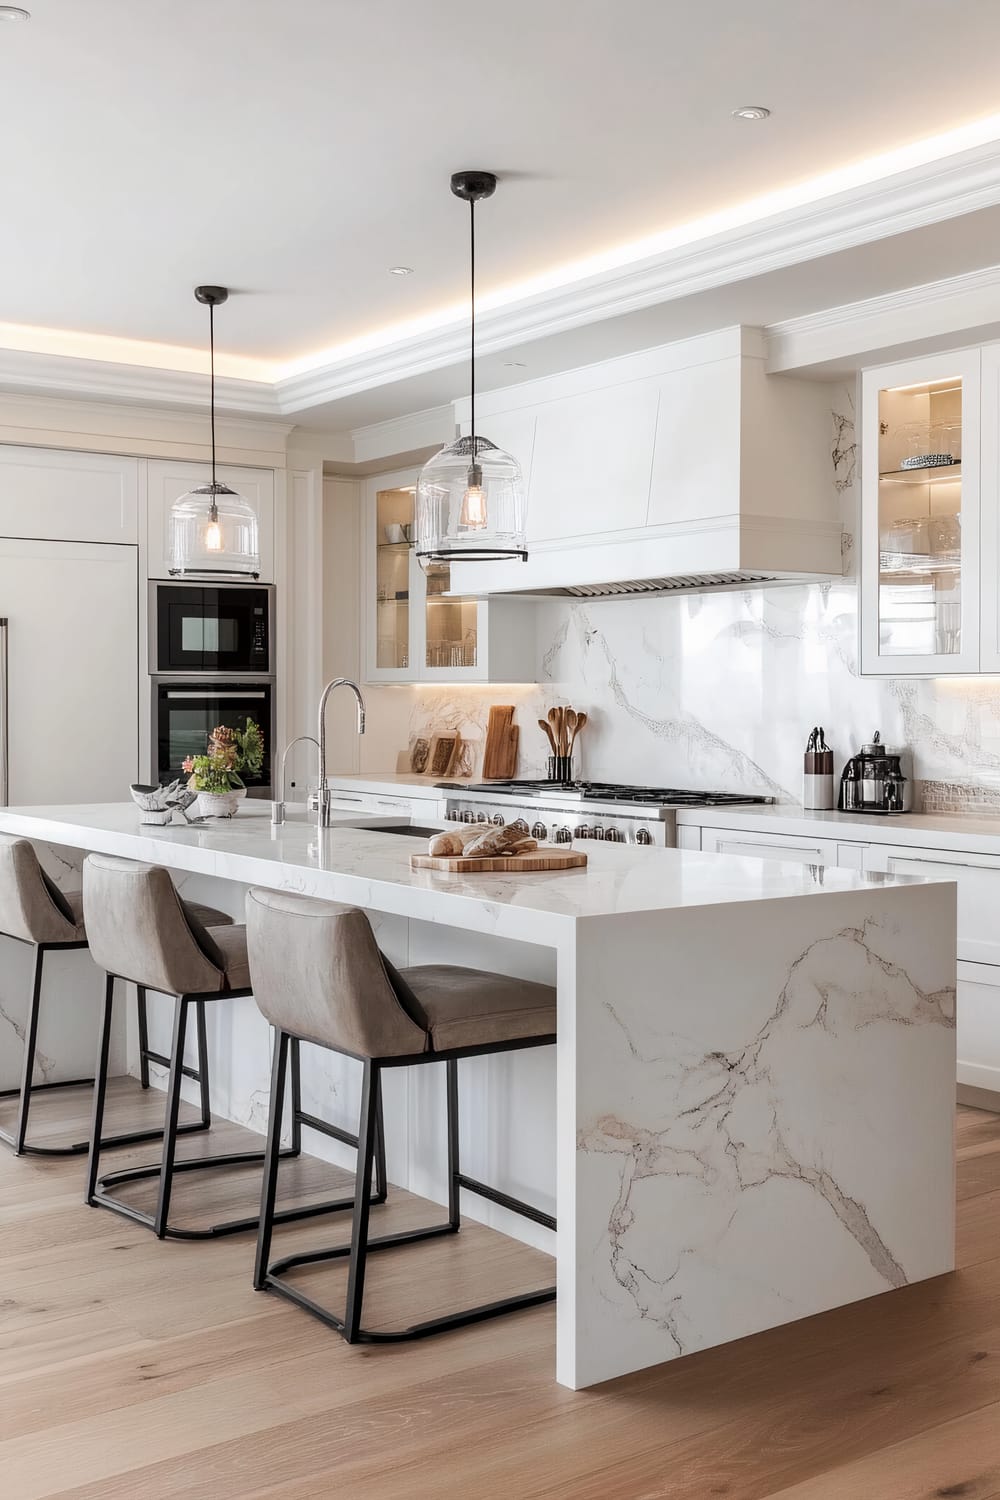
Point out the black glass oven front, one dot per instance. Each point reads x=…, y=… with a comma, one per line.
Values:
x=185, y=713
x=201, y=628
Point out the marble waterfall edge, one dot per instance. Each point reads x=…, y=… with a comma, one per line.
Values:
x=813, y=1097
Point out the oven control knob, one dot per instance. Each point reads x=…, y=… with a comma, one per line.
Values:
x=613, y=836
x=498, y=819
x=520, y=824
x=563, y=836
x=481, y=818
x=582, y=832
x=468, y=816
x=643, y=836
x=539, y=831
x=597, y=831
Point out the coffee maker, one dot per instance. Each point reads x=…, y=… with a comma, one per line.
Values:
x=873, y=781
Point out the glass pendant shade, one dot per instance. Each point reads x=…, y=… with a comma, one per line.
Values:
x=213, y=530
x=470, y=504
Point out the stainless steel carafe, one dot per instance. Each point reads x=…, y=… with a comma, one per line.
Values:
x=873, y=781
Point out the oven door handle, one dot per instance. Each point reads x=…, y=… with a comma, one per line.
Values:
x=217, y=697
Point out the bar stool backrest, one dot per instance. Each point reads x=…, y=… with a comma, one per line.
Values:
x=317, y=973
x=31, y=906
x=138, y=928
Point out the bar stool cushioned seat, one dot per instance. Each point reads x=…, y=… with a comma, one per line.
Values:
x=35, y=911
x=318, y=976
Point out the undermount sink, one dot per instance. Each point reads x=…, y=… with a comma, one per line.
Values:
x=411, y=830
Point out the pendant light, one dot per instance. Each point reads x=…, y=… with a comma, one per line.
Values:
x=212, y=529
x=470, y=501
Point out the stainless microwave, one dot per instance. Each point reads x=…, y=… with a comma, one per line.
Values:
x=217, y=629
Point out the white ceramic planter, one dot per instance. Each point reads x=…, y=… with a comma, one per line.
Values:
x=219, y=804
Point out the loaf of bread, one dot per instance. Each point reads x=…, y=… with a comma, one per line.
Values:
x=496, y=841
x=454, y=840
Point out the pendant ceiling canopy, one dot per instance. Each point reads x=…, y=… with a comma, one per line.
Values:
x=470, y=503
x=213, y=530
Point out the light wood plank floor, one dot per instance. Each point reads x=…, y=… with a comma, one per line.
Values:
x=135, y=1369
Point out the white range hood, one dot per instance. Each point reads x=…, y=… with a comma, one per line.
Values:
x=686, y=467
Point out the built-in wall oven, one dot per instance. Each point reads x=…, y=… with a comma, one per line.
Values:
x=214, y=628
x=186, y=710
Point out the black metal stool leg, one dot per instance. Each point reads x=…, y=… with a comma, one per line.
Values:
x=362, y=1201
x=381, y=1179
x=269, y=1186
x=143, y=1019
x=296, y=1146
x=100, y=1088
x=28, y=1064
x=170, y=1124
x=454, y=1165
x=204, y=1085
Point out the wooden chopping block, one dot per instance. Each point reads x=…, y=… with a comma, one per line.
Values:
x=496, y=752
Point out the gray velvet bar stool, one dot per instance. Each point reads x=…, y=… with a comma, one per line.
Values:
x=319, y=977
x=34, y=911
x=141, y=931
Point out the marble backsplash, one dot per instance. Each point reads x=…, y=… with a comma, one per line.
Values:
x=721, y=691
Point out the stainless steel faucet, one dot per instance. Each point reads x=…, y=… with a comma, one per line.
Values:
x=278, y=807
x=323, y=798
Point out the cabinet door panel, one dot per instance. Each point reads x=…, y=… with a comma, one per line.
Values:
x=168, y=481
x=920, y=517
x=977, y=1023
x=978, y=879
x=68, y=497
x=591, y=463
x=769, y=846
x=696, y=471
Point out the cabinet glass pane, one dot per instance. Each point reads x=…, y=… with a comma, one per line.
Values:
x=394, y=528
x=452, y=624
x=920, y=519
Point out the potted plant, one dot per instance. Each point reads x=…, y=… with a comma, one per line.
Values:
x=215, y=776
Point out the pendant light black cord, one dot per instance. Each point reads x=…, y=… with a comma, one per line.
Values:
x=211, y=348
x=472, y=347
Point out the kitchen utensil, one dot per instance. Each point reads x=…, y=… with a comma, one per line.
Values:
x=544, y=725
x=873, y=781
x=548, y=858
x=555, y=717
x=497, y=750
x=817, y=773
x=570, y=719
x=581, y=720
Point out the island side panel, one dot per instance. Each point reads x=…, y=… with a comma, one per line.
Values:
x=760, y=1119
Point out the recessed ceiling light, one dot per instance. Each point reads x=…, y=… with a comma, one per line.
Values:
x=514, y=364
x=14, y=13
x=400, y=270
x=751, y=112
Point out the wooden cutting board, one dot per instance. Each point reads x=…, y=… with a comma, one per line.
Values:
x=542, y=859
x=497, y=753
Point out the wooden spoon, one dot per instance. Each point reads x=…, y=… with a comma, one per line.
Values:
x=555, y=717
x=581, y=720
x=544, y=724
x=570, y=722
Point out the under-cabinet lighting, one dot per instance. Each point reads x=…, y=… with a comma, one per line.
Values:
x=932, y=387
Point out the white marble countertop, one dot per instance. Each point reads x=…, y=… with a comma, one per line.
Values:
x=387, y=783
x=920, y=830
x=371, y=869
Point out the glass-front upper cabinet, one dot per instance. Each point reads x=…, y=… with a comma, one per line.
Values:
x=417, y=632
x=920, y=510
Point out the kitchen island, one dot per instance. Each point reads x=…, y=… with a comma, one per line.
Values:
x=752, y=1116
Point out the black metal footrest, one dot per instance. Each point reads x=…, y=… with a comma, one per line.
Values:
x=78, y=1148
x=103, y=1198
x=504, y=1200
x=274, y=1281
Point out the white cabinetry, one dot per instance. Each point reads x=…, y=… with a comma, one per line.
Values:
x=769, y=846
x=928, y=572
x=57, y=495
x=415, y=630
x=72, y=713
x=168, y=480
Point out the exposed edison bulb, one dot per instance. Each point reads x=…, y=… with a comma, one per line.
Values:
x=213, y=537
x=473, y=513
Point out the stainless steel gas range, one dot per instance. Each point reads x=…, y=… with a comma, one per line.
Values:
x=582, y=810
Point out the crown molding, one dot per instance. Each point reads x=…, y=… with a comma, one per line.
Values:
x=963, y=308
x=908, y=200
x=102, y=380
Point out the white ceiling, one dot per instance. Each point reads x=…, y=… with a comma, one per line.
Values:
x=295, y=150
